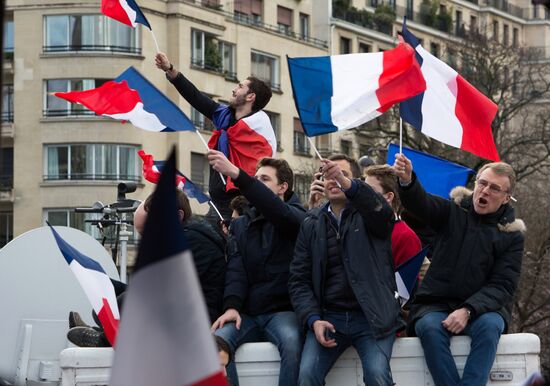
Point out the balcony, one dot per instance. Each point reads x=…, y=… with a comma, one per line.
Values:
x=50, y=113
x=204, y=65
x=381, y=20
x=91, y=177
x=92, y=48
x=6, y=188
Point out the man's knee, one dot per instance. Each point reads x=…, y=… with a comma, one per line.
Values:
x=377, y=375
x=489, y=326
x=429, y=325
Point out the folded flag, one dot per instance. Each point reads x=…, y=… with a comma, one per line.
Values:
x=131, y=97
x=451, y=110
x=438, y=176
x=152, y=170
x=124, y=11
x=96, y=284
x=407, y=274
x=164, y=336
x=341, y=92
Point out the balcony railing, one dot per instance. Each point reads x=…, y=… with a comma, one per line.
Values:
x=6, y=183
x=362, y=18
x=91, y=177
x=92, y=48
x=205, y=124
x=67, y=113
x=203, y=65
x=7, y=116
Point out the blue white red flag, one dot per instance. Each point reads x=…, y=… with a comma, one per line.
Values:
x=247, y=141
x=131, y=97
x=164, y=336
x=152, y=170
x=341, y=92
x=407, y=273
x=124, y=11
x=438, y=176
x=96, y=284
x=451, y=110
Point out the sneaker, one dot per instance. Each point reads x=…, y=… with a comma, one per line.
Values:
x=75, y=320
x=87, y=337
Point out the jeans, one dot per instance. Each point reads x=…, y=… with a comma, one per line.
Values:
x=485, y=332
x=280, y=328
x=352, y=329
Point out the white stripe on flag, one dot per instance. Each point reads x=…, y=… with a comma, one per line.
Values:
x=261, y=124
x=129, y=11
x=140, y=118
x=164, y=330
x=404, y=294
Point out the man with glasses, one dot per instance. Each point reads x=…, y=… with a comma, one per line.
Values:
x=474, y=272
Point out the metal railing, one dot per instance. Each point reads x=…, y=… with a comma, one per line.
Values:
x=206, y=124
x=7, y=116
x=90, y=177
x=67, y=113
x=205, y=66
x=6, y=183
x=92, y=48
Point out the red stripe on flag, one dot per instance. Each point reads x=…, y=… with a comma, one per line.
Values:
x=113, y=9
x=401, y=77
x=476, y=113
x=110, y=98
x=217, y=379
x=108, y=322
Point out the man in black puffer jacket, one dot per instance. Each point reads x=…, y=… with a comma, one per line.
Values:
x=261, y=244
x=474, y=271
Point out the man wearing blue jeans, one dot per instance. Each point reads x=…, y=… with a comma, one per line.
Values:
x=342, y=282
x=474, y=271
x=261, y=243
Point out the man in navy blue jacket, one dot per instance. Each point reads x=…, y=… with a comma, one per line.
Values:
x=261, y=244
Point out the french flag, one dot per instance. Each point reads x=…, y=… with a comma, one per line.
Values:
x=152, y=170
x=406, y=275
x=341, y=92
x=249, y=140
x=164, y=336
x=96, y=284
x=131, y=97
x=451, y=110
x=124, y=11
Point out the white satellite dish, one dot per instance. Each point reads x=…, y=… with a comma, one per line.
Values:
x=37, y=291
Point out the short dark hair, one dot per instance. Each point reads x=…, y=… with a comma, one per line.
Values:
x=262, y=91
x=283, y=172
x=355, y=170
x=224, y=346
x=239, y=204
x=182, y=203
x=388, y=181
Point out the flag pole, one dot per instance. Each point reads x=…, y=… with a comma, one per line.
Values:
x=207, y=148
x=400, y=135
x=319, y=155
x=155, y=40
x=216, y=209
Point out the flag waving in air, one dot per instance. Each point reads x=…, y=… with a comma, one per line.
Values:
x=164, y=336
x=124, y=11
x=131, y=97
x=344, y=91
x=451, y=110
x=152, y=170
x=96, y=284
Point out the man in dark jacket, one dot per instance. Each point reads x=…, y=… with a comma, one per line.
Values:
x=243, y=131
x=342, y=281
x=474, y=271
x=261, y=243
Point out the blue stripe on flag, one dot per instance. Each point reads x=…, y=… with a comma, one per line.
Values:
x=311, y=80
x=438, y=176
x=190, y=189
x=156, y=103
x=70, y=253
x=140, y=17
x=409, y=269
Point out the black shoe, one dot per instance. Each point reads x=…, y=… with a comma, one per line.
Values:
x=87, y=337
x=75, y=320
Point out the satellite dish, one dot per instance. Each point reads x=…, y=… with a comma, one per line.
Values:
x=37, y=291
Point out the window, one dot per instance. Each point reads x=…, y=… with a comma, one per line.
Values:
x=57, y=107
x=345, y=147
x=284, y=19
x=6, y=228
x=212, y=4
x=91, y=162
x=459, y=26
x=212, y=54
x=364, y=48
x=276, y=123
x=200, y=171
x=266, y=68
x=64, y=33
x=248, y=11
x=301, y=143
x=304, y=26
x=322, y=142
x=473, y=23
x=410, y=10
x=505, y=34
x=8, y=39
x=201, y=121
x=7, y=103
x=345, y=45
x=495, y=30
x=515, y=37
x=6, y=168
x=451, y=57
x=374, y=3
x=69, y=218
x=301, y=187
x=434, y=49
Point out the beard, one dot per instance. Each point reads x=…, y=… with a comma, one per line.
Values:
x=238, y=101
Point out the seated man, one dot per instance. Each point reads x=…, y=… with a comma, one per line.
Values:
x=261, y=242
x=474, y=271
x=342, y=281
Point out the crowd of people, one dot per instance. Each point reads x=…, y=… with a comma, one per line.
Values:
x=315, y=278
